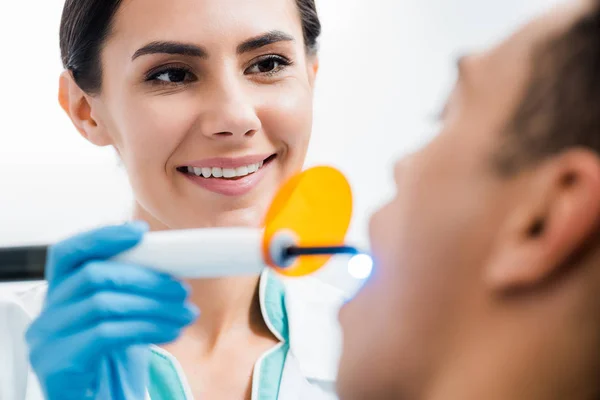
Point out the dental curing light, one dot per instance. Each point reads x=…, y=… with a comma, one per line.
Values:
x=304, y=227
x=360, y=266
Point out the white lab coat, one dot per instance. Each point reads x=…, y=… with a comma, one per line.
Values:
x=310, y=367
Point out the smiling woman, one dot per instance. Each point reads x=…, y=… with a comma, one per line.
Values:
x=209, y=105
x=174, y=88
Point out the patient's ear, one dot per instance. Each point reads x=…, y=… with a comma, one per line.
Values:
x=554, y=217
x=79, y=107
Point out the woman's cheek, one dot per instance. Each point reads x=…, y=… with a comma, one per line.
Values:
x=156, y=126
x=287, y=117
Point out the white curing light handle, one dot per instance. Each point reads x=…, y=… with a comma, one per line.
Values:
x=209, y=252
x=200, y=253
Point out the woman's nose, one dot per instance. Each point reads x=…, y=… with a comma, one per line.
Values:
x=229, y=113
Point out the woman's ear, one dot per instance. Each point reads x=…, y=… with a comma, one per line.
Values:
x=78, y=106
x=313, y=69
x=557, y=212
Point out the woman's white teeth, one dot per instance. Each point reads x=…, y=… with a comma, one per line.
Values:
x=217, y=172
x=227, y=173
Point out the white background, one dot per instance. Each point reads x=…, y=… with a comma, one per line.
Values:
x=385, y=68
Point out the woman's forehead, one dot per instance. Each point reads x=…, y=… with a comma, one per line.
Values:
x=205, y=21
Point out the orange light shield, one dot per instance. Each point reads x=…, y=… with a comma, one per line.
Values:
x=316, y=206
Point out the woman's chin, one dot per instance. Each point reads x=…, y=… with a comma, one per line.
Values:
x=248, y=217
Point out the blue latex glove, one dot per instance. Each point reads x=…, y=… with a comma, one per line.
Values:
x=91, y=339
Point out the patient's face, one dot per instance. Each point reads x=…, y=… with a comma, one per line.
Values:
x=431, y=241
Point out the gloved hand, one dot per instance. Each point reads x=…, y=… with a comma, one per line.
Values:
x=91, y=338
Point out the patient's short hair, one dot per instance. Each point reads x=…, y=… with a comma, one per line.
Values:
x=561, y=107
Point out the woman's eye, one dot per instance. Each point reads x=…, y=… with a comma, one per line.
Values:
x=172, y=76
x=268, y=65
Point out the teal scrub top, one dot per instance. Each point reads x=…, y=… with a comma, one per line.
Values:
x=167, y=380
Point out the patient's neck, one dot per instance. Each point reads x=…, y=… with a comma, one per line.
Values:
x=520, y=363
x=501, y=383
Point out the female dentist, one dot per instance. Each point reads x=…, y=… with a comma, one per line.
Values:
x=208, y=104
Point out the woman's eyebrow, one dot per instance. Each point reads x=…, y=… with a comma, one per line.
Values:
x=184, y=49
x=188, y=49
x=264, y=40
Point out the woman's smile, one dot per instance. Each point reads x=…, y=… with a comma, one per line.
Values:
x=228, y=176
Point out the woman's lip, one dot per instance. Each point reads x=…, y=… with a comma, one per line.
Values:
x=228, y=162
x=230, y=187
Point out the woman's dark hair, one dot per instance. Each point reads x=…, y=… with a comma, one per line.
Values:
x=86, y=24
